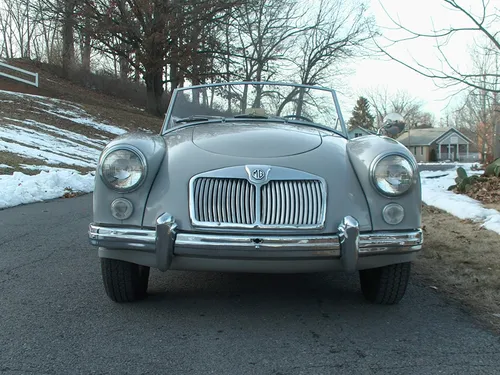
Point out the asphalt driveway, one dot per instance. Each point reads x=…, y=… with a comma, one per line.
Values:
x=56, y=319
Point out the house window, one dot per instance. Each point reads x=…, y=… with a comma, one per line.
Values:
x=421, y=150
x=358, y=134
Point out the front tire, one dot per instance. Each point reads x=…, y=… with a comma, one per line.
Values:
x=124, y=281
x=385, y=285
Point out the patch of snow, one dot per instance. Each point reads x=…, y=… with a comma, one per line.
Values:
x=5, y=166
x=54, y=150
x=56, y=107
x=65, y=133
x=41, y=168
x=435, y=193
x=83, y=120
x=21, y=94
x=20, y=188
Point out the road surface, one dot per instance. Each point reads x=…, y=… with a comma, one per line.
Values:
x=56, y=319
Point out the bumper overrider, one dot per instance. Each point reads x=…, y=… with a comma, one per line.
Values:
x=167, y=248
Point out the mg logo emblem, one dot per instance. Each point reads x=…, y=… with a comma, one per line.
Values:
x=258, y=174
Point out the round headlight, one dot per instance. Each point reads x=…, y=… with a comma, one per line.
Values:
x=393, y=175
x=123, y=169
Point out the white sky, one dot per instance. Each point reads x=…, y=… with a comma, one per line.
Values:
x=418, y=16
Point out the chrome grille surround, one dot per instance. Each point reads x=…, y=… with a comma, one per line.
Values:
x=257, y=196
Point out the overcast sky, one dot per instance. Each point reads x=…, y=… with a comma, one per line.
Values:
x=421, y=15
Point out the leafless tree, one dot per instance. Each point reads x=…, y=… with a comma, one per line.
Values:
x=452, y=73
x=408, y=106
x=480, y=110
x=264, y=32
x=338, y=32
x=18, y=28
x=150, y=35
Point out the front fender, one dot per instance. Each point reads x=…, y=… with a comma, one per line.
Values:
x=362, y=151
x=153, y=149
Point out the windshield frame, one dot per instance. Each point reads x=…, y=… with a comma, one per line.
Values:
x=166, y=128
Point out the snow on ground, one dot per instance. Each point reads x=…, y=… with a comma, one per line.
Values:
x=66, y=110
x=49, y=144
x=51, y=148
x=435, y=193
x=59, y=149
x=19, y=188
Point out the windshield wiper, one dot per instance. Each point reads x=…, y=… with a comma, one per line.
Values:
x=195, y=118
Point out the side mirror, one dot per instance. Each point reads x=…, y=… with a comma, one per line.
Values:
x=393, y=124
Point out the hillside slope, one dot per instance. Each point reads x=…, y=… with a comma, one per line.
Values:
x=60, y=124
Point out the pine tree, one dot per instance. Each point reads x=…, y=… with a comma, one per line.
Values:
x=361, y=115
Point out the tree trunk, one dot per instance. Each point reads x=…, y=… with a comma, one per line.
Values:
x=87, y=49
x=154, y=89
x=68, y=52
x=124, y=68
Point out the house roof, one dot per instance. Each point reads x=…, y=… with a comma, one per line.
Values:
x=427, y=136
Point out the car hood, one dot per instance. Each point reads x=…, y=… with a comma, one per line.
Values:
x=256, y=139
x=184, y=159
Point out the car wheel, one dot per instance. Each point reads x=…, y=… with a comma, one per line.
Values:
x=385, y=285
x=124, y=281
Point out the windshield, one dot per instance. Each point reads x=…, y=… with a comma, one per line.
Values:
x=258, y=101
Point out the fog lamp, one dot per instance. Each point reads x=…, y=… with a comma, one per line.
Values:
x=121, y=208
x=393, y=213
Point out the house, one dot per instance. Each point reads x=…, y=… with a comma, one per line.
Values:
x=358, y=131
x=439, y=144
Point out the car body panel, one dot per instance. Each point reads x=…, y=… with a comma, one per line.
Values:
x=242, y=139
x=362, y=151
x=185, y=160
x=153, y=148
x=353, y=235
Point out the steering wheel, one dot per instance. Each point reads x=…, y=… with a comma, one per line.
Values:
x=298, y=117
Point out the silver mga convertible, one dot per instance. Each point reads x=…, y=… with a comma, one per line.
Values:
x=257, y=177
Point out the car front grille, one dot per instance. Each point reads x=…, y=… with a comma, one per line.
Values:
x=224, y=200
x=291, y=203
x=216, y=201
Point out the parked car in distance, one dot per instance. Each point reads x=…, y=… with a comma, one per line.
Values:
x=257, y=177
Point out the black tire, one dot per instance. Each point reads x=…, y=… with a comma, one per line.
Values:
x=385, y=285
x=124, y=281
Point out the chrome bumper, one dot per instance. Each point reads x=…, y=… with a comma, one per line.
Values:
x=164, y=243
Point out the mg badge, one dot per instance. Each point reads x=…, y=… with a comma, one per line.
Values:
x=258, y=174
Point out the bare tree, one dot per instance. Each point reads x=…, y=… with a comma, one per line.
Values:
x=18, y=30
x=150, y=35
x=265, y=31
x=479, y=111
x=339, y=31
x=408, y=106
x=448, y=71
x=7, y=48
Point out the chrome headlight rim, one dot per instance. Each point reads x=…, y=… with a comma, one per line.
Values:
x=374, y=165
x=132, y=149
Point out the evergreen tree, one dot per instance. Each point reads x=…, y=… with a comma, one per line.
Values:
x=361, y=115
